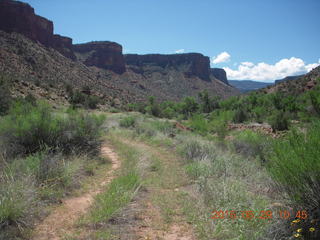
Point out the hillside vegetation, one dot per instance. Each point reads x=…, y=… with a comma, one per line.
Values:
x=185, y=162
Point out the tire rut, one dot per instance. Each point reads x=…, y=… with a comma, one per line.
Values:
x=61, y=221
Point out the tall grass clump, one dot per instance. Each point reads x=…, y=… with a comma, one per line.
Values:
x=17, y=198
x=295, y=166
x=28, y=129
x=194, y=149
x=127, y=122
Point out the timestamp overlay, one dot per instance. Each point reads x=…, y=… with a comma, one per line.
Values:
x=262, y=214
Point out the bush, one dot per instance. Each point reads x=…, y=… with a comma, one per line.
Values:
x=30, y=99
x=199, y=123
x=127, y=122
x=315, y=101
x=280, y=122
x=195, y=150
x=240, y=115
x=295, y=166
x=91, y=102
x=28, y=129
x=252, y=144
x=5, y=96
x=168, y=112
x=77, y=98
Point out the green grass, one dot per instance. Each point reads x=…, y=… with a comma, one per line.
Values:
x=222, y=181
x=29, y=129
x=127, y=122
x=119, y=194
x=38, y=162
x=17, y=198
x=295, y=166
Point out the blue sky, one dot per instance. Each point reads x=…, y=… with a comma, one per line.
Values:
x=252, y=39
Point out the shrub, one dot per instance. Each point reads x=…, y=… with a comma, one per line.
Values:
x=240, y=115
x=195, y=150
x=252, y=144
x=77, y=98
x=164, y=127
x=30, y=99
x=315, y=101
x=168, y=112
x=295, y=166
x=28, y=129
x=207, y=104
x=91, y=102
x=280, y=122
x=188, y=106
x=69, y=89
x=127, y=122
x=199, y=123
x=5, y=96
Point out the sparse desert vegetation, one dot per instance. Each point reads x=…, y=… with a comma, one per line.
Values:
x=100, y=143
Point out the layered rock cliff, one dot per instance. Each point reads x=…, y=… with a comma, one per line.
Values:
x=31, y=51
x=219, y=74
x=107, y=55
x=191, y=64
x=20, y=17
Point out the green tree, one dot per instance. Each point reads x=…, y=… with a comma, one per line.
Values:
x=189, y=106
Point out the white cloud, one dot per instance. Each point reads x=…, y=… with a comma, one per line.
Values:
x=222, y=57
x=268, y=72
x=248, y=64
x=179, y=51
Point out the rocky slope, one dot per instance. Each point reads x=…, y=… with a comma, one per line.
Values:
x=288, y=78
x=297, y=85
x=30, y=51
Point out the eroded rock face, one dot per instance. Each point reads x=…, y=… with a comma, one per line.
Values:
x=63, y=45
x=192, y=64
x=104, y=54
x=20, y=17
x=219, y=74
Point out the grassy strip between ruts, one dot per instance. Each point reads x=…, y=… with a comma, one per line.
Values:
x=116, y=195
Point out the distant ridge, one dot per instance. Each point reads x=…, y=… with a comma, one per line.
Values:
x=248, y=85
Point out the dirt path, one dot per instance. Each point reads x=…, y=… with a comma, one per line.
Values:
x=61, y=222
x=156, y=214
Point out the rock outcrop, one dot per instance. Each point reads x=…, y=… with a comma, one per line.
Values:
x=192, y=64
x=31, y=51
x=104, y=54
x=219, y=74
x=20, y=17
